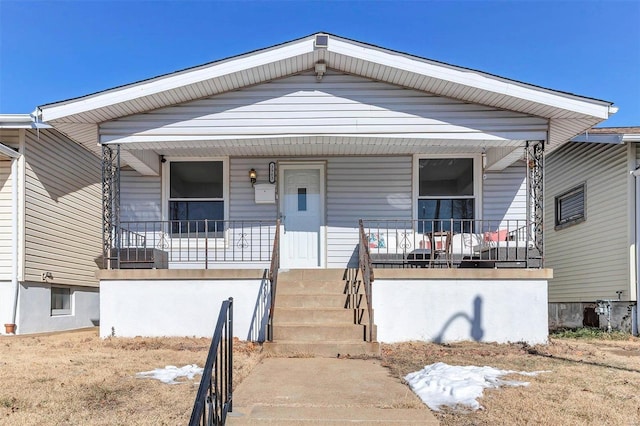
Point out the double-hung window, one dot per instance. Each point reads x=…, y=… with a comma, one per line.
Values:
x=446, y=190
x=197, y=197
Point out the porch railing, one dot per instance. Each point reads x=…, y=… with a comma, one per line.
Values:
x=202, y=243
x=366, y=269
x=273, y=278
x=461, y=243
x=215, y=394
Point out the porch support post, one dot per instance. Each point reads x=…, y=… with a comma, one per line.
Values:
x=535, y=187
x=111, y=206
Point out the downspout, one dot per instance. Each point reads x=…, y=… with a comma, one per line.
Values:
x=635, y=323
x=14, y=239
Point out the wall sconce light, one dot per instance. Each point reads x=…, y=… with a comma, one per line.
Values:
x=253, y=176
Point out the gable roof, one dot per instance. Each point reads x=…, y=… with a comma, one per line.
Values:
x=568, y=114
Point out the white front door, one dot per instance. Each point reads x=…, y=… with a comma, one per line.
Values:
x=302, y=215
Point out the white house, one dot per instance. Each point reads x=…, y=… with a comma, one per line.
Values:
x=50, y=231
x=443, y=164
x=592, y=219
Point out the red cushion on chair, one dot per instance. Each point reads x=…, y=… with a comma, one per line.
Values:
x=500, y=235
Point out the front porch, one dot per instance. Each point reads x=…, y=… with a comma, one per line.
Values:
x=400, y=243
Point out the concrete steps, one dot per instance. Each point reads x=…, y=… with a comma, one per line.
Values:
x=310, y=300
x=327, y=349
x=313, y=315
x=319, y=332
x=302, y=315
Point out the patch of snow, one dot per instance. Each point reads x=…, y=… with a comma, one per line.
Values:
x=170, y=373
x=440, y=384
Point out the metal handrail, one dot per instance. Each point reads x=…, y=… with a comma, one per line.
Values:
x=366, y=268
x=215, y=394
x=273, y=278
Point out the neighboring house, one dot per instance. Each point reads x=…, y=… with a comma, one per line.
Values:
x=592, y=219
x=50, y=231
x=443, y=164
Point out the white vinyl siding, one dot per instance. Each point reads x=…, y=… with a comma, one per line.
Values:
x=242, y=204
x=5, y=219
x=363, y=188
x=63, y=216
x=504, y=195
x=140, y=197
x=339, y=105
x=590, y=260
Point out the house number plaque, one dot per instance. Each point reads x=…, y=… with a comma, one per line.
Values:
x=272, y=172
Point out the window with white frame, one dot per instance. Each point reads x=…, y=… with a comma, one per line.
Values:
x=196, y=194
x=570, y=208
x=446, y=190
x=60, y=301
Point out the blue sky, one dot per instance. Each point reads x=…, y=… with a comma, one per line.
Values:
x=56, y=50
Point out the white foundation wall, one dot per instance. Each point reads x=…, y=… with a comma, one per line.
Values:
x=457, y=310
x=34, y=309
x=150, y=308
x=6, y=304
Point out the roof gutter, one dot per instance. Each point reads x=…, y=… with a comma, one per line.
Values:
x=631, y=138
x=22, y=121
x=598, y=138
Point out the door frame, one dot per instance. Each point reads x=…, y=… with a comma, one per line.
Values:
x=306, y=165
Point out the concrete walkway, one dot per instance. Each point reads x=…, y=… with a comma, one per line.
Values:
x=325, y=391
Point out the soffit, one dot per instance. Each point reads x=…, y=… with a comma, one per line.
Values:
x=317, y=146
x=570, y=114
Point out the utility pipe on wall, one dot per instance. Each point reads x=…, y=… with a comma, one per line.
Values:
x=14, y=237
x=635, y=322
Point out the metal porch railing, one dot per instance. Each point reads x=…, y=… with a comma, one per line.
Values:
x=273, y=278
x=215, y=394
x=366, y=269
x=460, y=243
x=200, y=243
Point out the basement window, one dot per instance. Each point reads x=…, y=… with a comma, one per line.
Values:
x=570, y=207
x=60, y=301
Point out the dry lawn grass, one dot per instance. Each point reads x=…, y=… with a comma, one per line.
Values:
x=79, y=379
x=592, y=382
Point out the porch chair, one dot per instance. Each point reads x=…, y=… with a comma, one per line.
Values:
x=440, y=248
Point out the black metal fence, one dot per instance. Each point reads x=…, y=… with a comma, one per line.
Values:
x=215, y=394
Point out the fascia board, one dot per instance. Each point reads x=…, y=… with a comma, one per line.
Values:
x=174, y=81
x=594, y=108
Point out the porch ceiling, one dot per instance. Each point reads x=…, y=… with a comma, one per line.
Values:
x=319, y=145
x=568, y=114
